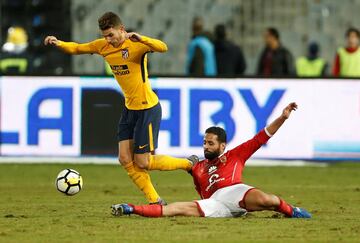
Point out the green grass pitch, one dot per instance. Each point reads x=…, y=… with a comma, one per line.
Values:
x=31, y=210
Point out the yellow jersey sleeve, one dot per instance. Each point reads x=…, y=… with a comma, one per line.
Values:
x=74, y=48
x=128, y=64
x=153, y=45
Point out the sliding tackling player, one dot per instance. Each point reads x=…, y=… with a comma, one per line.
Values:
x=218, y=180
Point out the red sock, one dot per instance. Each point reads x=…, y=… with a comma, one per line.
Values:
x=285, y=208
x=153, y=211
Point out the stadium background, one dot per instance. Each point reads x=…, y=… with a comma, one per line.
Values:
x=63, y=109
x=299, y=22
x=242, y=105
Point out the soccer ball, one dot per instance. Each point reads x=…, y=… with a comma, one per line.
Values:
x=69, y=182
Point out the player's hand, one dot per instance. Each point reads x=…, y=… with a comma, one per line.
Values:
x=51, y=40
x=133, y=36
x=288, y=109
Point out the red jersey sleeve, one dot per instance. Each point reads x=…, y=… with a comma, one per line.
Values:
x=245, y=150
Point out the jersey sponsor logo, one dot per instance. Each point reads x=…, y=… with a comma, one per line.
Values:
x=212, y=180
x=120, y=69
x=212, y=169
x=125, y=53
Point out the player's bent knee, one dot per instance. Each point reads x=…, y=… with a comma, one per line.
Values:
x=142, y=164
x=190, y=209
x=142, y=161
x=264, y=201
x=193, y=210
x=124, y=159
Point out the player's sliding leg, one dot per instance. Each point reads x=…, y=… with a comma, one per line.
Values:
x=139, y=176
x=181, y=209
x=256, y=200
x=173, y=209
x=164, y=162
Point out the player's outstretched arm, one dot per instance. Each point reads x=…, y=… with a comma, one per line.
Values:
x=153, y=44
x=277, y=123
x=245, y=150
x=70, y=47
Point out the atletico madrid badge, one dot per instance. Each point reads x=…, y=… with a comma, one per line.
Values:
x=125, y=53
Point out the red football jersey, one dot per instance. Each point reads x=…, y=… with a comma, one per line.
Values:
x=226, y=170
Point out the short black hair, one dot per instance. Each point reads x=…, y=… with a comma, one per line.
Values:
x=220, y=32
x=109, y=20
x=219, y=132
x=273, y=32
x=352, y=30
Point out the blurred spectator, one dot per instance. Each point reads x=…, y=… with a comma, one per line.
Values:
x=311, y=65
x=201, y=55
x=347, y=60
x=14, y=59
x=229, y=57
x=275, y=60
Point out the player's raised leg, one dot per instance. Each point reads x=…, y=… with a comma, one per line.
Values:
x=173, y=209
x=164, y=162
x=146, y=140
x=256, y=200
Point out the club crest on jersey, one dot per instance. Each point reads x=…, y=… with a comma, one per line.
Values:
x=212, y=169
x=125, y=53
x=223, y=159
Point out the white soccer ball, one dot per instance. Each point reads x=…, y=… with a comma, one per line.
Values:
x=69, y=182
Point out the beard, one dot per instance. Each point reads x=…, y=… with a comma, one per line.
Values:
x=212, y=155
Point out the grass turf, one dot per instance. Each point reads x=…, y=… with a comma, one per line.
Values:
x=31, y=210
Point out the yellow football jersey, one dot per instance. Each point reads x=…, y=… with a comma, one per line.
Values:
x=128, y=63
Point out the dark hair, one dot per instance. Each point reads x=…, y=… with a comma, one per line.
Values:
x=220, y=32
x=197, y=25
x=274, y=32
x=313, y=49
x=219, y=132
x=352, y=30
x=109, y=20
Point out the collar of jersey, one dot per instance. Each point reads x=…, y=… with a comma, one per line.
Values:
x=125, y=44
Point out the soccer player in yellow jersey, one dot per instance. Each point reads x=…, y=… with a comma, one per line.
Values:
x=140, y=121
